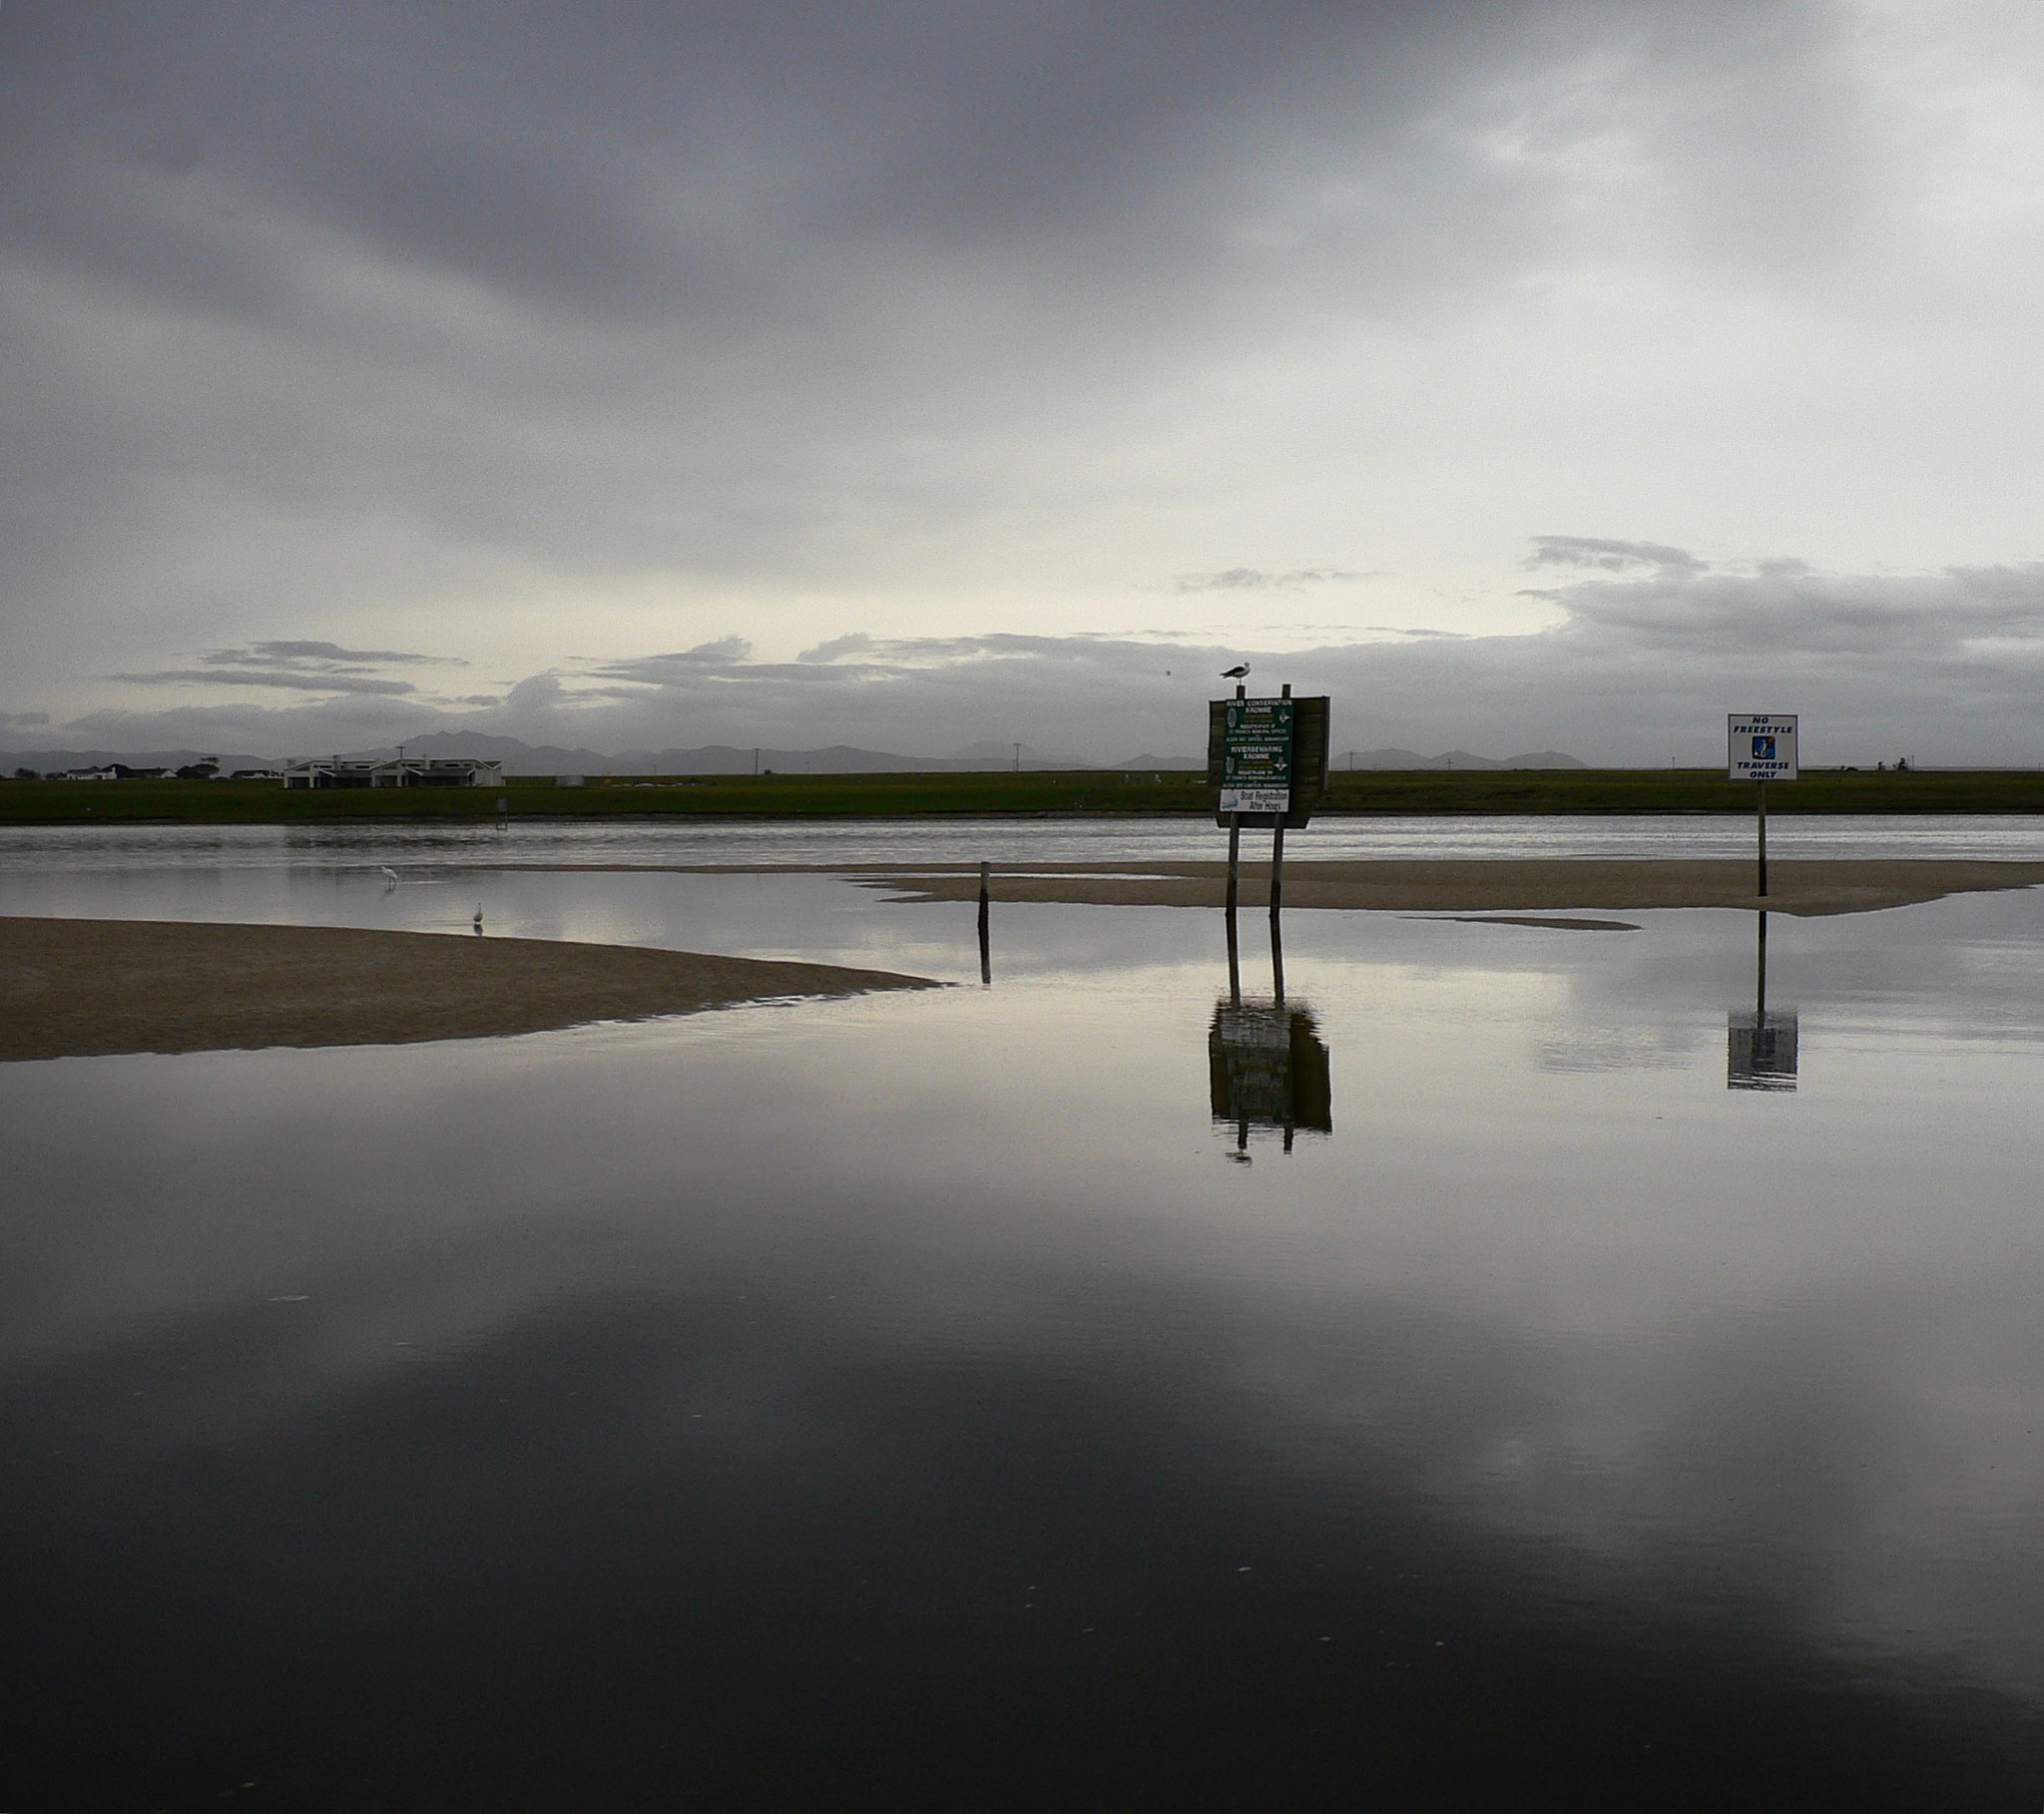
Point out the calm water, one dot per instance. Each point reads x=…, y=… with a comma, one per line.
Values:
x=893, y=841
x=969, y=1400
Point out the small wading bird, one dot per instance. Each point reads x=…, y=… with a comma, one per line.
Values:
x=389, y=876
x=1240, y=671
x=478, y=917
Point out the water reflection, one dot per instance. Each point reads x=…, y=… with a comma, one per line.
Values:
x=1267, y=1068
x=724, y=1410
x=986, y=950
x=1759, y=1048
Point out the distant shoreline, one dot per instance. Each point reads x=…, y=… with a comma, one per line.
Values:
x=1083, y=794
x=1802, y=886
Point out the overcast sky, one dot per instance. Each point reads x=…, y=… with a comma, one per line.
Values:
x=1537, y=375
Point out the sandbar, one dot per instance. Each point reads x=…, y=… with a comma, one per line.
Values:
x=88, y=988
x=1802, y=885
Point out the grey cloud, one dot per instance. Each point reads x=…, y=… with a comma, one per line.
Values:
x=683, y=665
x=297, y=666
x=1787, y=608
x=858, y=642
x=1610, y=557
x=1254, y=579
x=23, y=721
x=262, y=676
x=309, y=654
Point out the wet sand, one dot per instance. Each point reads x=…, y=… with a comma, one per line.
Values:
x=1798, y=885
x=79, y=988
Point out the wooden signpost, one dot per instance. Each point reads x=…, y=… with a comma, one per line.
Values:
x=1267, y=762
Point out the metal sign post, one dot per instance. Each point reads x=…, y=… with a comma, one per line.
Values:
x=1761, y=747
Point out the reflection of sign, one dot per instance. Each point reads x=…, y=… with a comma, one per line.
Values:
x=1267, y=1068
x=1255, y=756
x=1761, y=746
x=1760, y=1051
x=1266, y=760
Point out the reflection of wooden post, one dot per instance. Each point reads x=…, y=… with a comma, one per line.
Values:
x=1760, y=817
x=1278, y=866
x=986, y=963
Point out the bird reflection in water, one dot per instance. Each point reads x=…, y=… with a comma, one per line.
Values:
x=1759, y=1048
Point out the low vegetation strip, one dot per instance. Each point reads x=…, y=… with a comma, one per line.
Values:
x=79, y=988
x=1797, y=886
x=970, y=795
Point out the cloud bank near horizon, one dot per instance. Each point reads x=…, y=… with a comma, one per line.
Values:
x=1651, y=648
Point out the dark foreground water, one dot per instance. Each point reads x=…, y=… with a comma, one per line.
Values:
x=968, y=1401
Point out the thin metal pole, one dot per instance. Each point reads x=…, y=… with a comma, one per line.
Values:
x=1277, y=869
x=1234, y=964
x=1760, y=816
x=986, y=960
x=1234, y=859
x=1759, y=982
x=1276, y=961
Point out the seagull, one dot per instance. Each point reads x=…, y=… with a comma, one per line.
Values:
x=1240, y=671
x=479, y=916
x=389, y=872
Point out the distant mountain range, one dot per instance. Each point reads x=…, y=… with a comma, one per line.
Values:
x=725, y=758
x=1453, y=758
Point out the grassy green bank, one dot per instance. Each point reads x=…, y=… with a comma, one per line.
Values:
x=1611, y=790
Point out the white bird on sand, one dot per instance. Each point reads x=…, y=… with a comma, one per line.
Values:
x=479, y=916
x=1240, y=671
x=388, y=871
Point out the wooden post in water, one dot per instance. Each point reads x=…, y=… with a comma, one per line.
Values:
x=986, y=960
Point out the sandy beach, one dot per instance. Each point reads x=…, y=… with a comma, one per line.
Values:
x=79, y=988
x=74, y=988
x=1798, y=886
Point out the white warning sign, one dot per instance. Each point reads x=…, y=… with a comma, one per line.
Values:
x=1761, y=746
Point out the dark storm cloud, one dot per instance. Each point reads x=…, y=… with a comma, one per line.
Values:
x=749, y=288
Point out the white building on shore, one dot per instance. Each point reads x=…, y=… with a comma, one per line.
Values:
x=398, y=771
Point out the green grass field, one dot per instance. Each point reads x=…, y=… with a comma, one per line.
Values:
x=885, y=795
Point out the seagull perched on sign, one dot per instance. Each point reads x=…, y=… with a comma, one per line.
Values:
x=1240, y=671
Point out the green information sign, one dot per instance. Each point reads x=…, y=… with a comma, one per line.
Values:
x=1255, y=756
